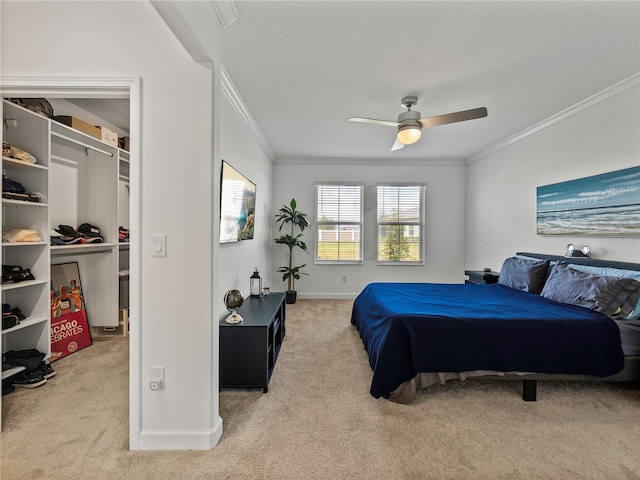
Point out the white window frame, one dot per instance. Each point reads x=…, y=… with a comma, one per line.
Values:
x=406, y=225
x=320, y=223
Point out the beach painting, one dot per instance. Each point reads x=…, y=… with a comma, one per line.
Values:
x=601, y=205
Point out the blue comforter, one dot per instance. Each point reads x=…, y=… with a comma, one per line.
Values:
x=408, y=328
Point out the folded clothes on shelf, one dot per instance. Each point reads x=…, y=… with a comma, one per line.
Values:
x=15, y=191
x=14, y=153
x=22, y=235
x=11, y=316
x=123, y=234
x=15, y=274
x=67, y=235
x=11, y=186
x=91, y=233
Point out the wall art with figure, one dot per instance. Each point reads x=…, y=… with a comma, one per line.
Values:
x=69, y=325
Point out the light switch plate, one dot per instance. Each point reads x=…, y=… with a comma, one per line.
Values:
x=159, y=245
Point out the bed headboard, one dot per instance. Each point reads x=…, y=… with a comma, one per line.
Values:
x=583, y=261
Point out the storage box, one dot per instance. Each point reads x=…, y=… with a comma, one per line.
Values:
x=108, y=136
x=80, y=125
x=124, y=143
x=123, y=278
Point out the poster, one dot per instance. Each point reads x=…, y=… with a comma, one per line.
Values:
x=69, y=326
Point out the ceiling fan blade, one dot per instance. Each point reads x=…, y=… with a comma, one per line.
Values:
x=397, y=145
x=454, y=117
x=387, y=123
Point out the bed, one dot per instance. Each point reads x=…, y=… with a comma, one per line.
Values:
x=548, y=317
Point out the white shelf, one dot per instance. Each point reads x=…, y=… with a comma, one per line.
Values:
x=25, y=203
x=23, y=244
x=29, y=132
x=65, y=134
x=8, y=162
x=25, y=283
x=11, y=372
x=27, y=322
x=83, y=248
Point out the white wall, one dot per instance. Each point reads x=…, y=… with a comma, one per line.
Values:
x=445, y=223
x=242, y=151
x=176, y=328
x=501, y=187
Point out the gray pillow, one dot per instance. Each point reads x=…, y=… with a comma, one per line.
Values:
x=524, y=274
x=597, y=292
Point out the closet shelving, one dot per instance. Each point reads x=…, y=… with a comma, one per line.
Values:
x=30, y=132
x=79, y=178
x=84, y=189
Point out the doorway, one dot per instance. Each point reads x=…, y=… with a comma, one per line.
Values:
x=104, y=89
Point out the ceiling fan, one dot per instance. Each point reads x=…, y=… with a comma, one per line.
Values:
x=410, y=124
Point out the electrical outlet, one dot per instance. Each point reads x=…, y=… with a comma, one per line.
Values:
x=157, y=378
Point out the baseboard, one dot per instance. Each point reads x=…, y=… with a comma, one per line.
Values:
x=328, y=296
x=181, y=440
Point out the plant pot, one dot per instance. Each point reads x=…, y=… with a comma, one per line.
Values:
x=290, y=297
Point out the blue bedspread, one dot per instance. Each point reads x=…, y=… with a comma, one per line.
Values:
x=409, y=328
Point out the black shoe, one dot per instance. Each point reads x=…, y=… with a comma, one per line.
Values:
x=45, y=370
x=7, y=388
x=29, y=379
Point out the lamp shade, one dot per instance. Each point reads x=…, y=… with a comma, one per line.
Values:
x=409, y=134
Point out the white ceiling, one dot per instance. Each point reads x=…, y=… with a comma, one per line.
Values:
x=304, y=67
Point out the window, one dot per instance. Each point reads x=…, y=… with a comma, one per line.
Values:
x=338, y=223
x=400, y=224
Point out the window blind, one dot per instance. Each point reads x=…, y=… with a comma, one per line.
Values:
x=338, y=223
x=400, y=223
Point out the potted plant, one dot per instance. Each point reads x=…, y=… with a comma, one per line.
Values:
x=289, y=214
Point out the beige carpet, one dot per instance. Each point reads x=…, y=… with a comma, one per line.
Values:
x=318, y=421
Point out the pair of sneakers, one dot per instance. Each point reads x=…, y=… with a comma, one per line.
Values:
x=27, y=379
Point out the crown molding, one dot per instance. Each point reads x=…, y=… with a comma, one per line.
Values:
x=226, y=11
x=68, y=87
x=611, y=93
x=369, y=161
x=231, y=93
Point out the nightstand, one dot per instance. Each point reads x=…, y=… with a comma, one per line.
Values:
x=481, y=277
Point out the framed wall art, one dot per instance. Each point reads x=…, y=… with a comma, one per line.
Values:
x=69, y=324
x=601, y=205
x=237, y=205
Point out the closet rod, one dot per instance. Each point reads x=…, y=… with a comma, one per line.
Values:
x=78, y=251
x=82, y=144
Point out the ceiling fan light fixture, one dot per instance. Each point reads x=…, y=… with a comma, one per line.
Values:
x=409, y=134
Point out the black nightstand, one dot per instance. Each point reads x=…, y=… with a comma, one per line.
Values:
x=481, y=277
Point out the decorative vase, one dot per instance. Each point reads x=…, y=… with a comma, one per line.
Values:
x=290, y=297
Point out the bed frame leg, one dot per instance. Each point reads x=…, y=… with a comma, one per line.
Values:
x=529, y=388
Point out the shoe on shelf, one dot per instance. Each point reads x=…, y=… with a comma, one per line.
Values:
x=29, y=379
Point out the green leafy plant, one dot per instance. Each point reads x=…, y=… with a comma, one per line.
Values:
x=396, y=246
x=289, y=214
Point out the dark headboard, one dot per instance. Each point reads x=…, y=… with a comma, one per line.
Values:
x=583, y=261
